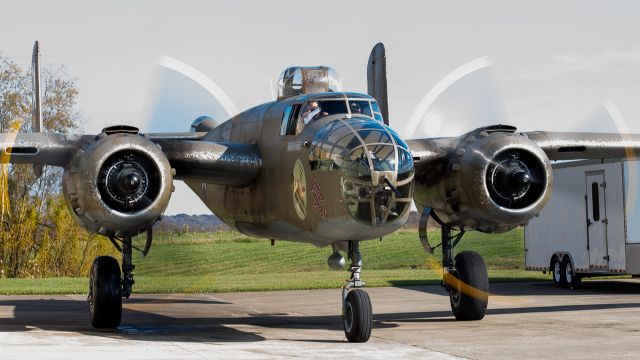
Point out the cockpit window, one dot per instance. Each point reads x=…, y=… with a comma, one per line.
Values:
x=375, y=106
x=360, y=107
x=314, y=110
x=377, y=114
x=317, y=109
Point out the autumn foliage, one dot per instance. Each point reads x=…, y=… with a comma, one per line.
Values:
x=38, y=236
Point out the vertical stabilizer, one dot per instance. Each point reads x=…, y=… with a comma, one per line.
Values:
x=377, y=79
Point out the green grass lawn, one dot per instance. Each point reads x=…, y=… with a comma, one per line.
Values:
x=229, y=261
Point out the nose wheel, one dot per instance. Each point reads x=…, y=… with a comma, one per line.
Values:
x=105, y=297
x=107, y=287
x=358, y=316
x=357, y=313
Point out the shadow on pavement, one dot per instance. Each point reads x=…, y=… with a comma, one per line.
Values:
x=73, y=316
x=189, y=320
x=544, y=288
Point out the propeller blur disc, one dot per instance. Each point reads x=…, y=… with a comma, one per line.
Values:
x=181, y=94
x=465, y=99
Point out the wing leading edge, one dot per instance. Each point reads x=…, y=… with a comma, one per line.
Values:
x=577, y=145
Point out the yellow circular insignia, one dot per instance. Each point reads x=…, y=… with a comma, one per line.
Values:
x=299, y=190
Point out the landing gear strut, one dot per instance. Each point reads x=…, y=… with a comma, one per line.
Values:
x=106, y=288
x=357, y=315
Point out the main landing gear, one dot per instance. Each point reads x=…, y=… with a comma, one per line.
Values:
x=107, y=288
x=357, y=315
x=465, y=276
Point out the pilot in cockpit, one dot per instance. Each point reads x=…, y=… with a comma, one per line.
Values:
x=312, y=112
x=355, y=108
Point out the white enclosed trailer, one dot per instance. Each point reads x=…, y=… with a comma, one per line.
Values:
x=591, y=225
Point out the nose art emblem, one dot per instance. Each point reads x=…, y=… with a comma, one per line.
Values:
x=299, y=190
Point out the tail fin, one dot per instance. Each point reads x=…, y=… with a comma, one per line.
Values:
x=36, y=109
x=377, y=79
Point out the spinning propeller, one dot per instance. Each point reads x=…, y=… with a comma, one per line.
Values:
x=181, y=94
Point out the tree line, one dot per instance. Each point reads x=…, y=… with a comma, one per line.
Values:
x=38, y=236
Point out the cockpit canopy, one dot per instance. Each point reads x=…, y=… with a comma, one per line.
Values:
x=299, y=80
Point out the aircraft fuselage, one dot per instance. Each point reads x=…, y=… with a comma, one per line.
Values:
x=305, y=194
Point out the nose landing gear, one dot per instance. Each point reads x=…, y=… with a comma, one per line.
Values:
x=357, y=315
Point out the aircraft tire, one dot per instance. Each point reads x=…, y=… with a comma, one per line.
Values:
x=470, y=295
x=358, y=316
x=105, y=296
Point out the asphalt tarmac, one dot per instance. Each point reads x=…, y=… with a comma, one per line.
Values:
x=525, y=320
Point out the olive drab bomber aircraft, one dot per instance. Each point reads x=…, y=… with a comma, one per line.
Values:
x=317, y=165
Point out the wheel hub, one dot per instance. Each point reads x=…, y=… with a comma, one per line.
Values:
x=568, y=273
x=348, y=317
x=556, y=271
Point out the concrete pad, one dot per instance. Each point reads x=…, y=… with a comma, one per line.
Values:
x=525, y=320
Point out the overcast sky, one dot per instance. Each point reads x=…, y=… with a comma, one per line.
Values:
x=555, y=62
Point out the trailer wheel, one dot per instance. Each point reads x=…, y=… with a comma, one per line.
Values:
x=557, y=272
x=572, y=280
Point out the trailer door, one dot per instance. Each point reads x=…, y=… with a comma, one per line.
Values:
x=597, y=221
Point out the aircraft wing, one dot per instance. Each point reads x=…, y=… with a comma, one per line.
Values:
x=213, y=162
x=38, y=148
x=429, y=153
x=191, y=157
x=495, y=178
x=576, y=145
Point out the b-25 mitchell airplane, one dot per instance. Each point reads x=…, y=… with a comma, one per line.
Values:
x=319, y=166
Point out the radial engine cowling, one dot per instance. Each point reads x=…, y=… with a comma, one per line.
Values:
x=118, y=184
x=494, y=180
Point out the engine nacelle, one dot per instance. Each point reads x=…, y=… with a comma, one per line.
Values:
x=118, y=185
x=495, y=180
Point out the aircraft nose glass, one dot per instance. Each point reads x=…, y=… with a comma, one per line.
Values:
x=376, y=167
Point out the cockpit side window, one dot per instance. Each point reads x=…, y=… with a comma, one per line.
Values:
x=289, y=120
x=377, y=114
x=285, y=120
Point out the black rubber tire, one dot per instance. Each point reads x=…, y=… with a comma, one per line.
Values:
x=557, y=274
x=105, y=296
x=469, y=296
x=573, y=281
x=358, y=316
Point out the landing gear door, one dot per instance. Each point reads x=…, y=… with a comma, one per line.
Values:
x=597, y=221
